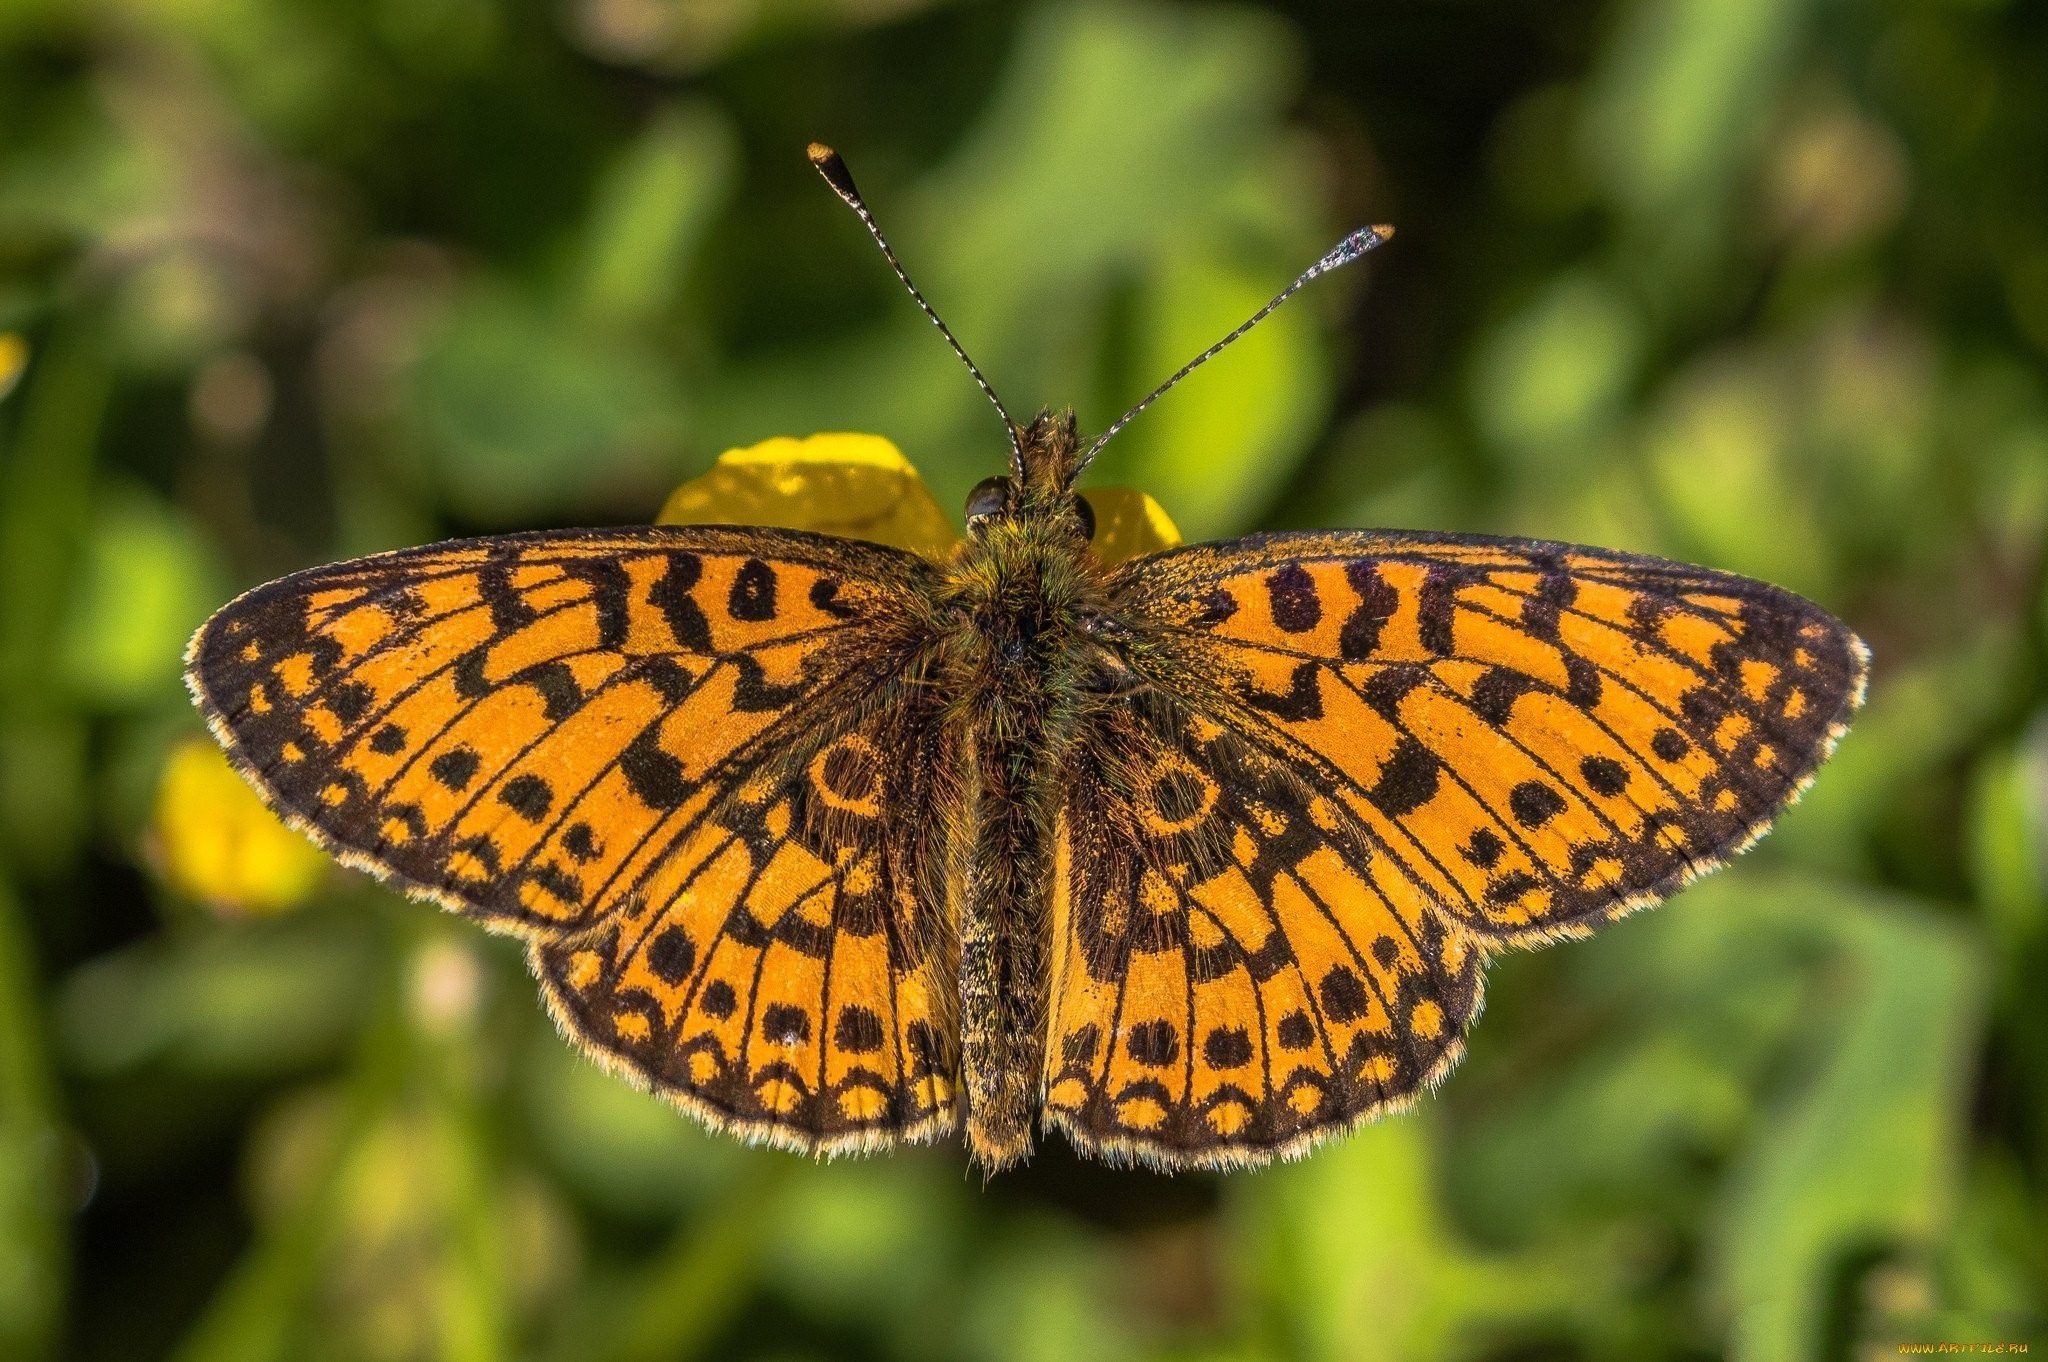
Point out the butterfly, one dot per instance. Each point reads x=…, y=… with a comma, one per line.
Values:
x=1197, y=858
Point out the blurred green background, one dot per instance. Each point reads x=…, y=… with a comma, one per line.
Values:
x=1756, y=283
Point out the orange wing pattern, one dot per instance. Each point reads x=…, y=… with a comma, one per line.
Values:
x=663, y=756
x=1235, y=972
x=1484, y=742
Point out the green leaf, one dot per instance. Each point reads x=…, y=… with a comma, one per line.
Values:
x=524, y=416
x=1720, y=446
x=225, y=999
x=1553, y=375
x=33, y=1216
x=1681, y=93
x=1208, y=450
x=1860, y=1145
x=848, y=1234
x=621, y=1149
x=147, y=581
x=1043, y=1294
x=2008, y=834
x=1360, y=1254
x=652, y=208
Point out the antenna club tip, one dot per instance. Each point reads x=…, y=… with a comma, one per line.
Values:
x=1379, y=229
x=834, y=170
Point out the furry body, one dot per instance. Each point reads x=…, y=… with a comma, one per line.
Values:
x=1021, y=608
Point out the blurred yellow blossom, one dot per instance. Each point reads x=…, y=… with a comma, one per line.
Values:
x=13, y=360
x=862, y=487
x=215, y=842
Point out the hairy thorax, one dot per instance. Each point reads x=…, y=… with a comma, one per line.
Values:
x=1016, y=600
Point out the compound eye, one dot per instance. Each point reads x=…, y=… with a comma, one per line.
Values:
x=1087, y=514
x=990, y=497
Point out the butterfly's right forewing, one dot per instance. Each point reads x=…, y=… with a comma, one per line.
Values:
x=1544, y=736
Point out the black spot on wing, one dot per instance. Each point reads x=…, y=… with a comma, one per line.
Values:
x=849, y=773
x=1493, y=698
x=1291, y=592
x=825, y=596
x=1387, y=686
x=671, y=955
x=455, y=768
x=610, y=588
x=754, y=692
x=752, y=597
x=671, y=595
x=1302, y=700
x=1343, y=994
x=527, y=795
x=1669, y=744
x=859, y=1030
x=785, y=1025
x=350, y=700
x=1407, y=781
x=1227, y=1047
x=1484, y=849
x=1153, y=1042
x=1377, y=601
x=655, y=776
x=1534, y=803
x=1217, y=606
x=559, y=693
x=509, y=609
x=580, y=841
x=1604, y=775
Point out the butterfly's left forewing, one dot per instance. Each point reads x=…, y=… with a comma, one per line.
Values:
x=1397, y=751
x=674, y=759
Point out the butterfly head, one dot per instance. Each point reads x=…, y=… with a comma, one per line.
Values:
x=1049, y=450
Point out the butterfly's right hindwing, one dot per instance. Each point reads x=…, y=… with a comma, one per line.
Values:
x=1236, y=972
x=669, y=757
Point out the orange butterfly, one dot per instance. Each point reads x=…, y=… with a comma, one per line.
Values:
x=1197, y=857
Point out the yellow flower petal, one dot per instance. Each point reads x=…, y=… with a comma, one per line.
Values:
x=859, y=486
x=1129, y=524
x=217, y=843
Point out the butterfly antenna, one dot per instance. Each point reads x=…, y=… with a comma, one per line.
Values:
x=840, y=178
x=1340, y=255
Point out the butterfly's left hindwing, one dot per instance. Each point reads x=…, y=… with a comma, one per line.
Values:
x=782, y=966
x=1392, y=752
x=671, y=758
